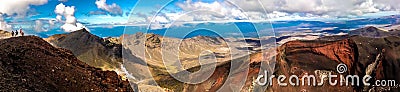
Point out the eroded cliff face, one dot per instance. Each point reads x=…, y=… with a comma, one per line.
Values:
x=29, y=63
x=314, y=53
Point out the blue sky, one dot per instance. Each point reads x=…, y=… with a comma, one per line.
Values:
x=83, y=9
x=38, y=17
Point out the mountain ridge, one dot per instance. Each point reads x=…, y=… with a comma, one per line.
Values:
x=99, y=52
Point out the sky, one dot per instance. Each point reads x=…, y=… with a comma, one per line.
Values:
x=47, y=17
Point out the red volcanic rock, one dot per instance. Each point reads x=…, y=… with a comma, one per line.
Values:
x=31, y=64
x=357, y=52
x=316, y=52
x=220, y=76
x=310, y=57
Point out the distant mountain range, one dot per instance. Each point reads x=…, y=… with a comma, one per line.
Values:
x=374, y=32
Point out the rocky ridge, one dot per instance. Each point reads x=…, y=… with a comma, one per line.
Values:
x=29, y=63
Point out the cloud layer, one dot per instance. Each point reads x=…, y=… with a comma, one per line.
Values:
x=319, y=7
x=18, y=7
x=261, y=10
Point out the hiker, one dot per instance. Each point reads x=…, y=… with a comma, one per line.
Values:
x=22, y=32
x=12, y=33
x=16, y=32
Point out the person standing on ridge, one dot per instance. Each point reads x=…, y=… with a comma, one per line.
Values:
x=16, y=32
x=22, y=32
x=12, y=33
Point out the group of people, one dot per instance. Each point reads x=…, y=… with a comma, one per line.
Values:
x=17, y=32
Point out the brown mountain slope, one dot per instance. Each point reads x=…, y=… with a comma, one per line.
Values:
x=89, y=48
x=31, y=64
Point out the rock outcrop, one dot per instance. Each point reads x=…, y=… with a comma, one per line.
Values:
x=29, y=63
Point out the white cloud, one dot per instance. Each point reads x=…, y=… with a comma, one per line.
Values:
x=63, y=0
x=60, y=8
x=51, y=22
x=156, y=26
x=38, y=26
x=69, y=15
x=113, y=8
x=161, y=19
x=70, y=21
x=19, y=7
x=4, y=25
x=73, y=27
x=59, y=17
